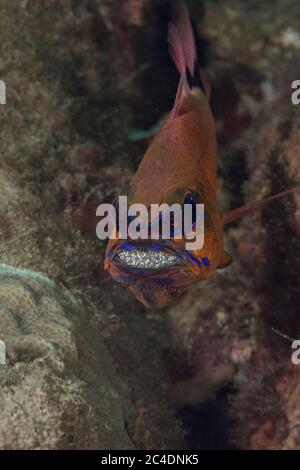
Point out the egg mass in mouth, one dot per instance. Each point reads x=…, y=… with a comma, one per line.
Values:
x=143, y=258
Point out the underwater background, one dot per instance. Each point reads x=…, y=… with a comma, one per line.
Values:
x=88, y=367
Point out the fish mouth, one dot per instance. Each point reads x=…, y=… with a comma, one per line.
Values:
x=156, y=273
x=149, y=257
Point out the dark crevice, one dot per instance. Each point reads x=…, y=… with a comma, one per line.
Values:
x=235, y=174
x=206, y=426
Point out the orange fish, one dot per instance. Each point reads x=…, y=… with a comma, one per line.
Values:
x=180, y=166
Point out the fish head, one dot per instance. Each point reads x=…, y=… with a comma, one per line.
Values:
x=160, y=271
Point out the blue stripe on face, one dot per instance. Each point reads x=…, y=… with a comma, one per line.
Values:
x=128, y=247
x=204, y=260
x=195, y=260
x=157, y=247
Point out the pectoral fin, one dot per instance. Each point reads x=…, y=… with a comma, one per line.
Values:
x=225, y=260
x=235, y=214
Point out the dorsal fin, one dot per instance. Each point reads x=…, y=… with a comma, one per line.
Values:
x=182, y=91
x=184, y=39
x=182, y=50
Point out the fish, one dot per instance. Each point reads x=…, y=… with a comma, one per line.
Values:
x=179, y=166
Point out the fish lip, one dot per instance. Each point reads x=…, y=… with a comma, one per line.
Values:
x=184, y=259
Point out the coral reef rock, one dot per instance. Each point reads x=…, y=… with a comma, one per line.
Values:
x=51, y=397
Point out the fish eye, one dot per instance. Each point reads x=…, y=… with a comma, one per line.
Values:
x=191, y=197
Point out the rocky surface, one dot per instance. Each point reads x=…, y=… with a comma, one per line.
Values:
x=94, y=369
x=58, y=387
x=240, y=326
x=62, y=134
